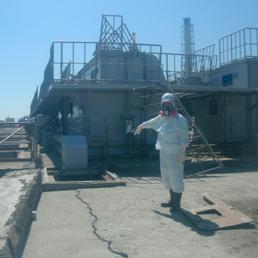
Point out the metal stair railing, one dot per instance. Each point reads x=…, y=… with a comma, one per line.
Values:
x=34, y=152
x=12, y=134
x=197, y=134
x=16, y=131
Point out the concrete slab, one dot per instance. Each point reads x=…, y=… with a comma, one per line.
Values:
x=130, y=219
x=49, y=183
x=19, y=194
x=64, y=229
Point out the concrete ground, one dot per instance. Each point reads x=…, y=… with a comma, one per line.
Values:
x=129, y=222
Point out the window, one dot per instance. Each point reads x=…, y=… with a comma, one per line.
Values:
x=213, y=107
x=227, y=79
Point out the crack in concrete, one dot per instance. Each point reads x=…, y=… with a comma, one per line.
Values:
x=95, y=229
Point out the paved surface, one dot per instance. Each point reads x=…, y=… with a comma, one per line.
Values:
x=129, y=222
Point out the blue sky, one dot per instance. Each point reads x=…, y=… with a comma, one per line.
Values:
x=29, y=26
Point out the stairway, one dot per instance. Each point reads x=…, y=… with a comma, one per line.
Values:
x=201, y=157
x=18, y=146
x=200, y=151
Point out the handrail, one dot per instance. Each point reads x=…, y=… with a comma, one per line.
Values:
x=12, y=134
x=15, y=132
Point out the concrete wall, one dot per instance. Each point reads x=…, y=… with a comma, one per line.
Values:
x=123, y=66
x=253, y=73
x=236, y=124
x=253, y=117
x=112, y=65
x=239, y=72
x=235, y=121
x=244, y=74
x=101, y=116
x=210, y=125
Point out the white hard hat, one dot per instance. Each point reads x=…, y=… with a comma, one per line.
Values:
x=168, y=97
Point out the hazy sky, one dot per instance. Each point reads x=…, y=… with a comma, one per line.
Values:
x=28, y=27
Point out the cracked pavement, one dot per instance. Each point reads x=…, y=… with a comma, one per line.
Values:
x=131, y=219
x=95, y=227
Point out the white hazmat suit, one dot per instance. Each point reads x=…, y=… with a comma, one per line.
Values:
x=172, y=141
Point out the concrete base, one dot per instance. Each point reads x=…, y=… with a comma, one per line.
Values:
x=49, y=183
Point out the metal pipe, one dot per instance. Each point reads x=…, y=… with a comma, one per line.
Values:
x=73, y=56
x=244, y=44
x=61, y=59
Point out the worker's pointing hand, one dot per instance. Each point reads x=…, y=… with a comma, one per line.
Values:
x=138, y=130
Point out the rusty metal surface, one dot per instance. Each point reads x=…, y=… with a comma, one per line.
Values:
x=217, y=215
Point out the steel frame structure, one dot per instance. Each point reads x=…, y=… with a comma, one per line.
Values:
x=114, y=33
x=187, y=45
x=70, y=59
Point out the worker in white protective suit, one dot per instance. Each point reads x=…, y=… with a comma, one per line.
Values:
x=172, y=141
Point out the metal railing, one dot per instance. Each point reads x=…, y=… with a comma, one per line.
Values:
x=12, y=134
x=181, y=66
x=238, y=45
x=33, y=140
x=80, y=61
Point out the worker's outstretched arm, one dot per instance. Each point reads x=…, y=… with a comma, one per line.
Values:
x=150, y=124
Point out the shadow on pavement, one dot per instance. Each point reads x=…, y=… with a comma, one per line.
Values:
x=4, y=171
x=184, y=216
x=180, y=217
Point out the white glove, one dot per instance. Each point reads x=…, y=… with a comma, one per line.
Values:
x=181, y=155
x=138, y=130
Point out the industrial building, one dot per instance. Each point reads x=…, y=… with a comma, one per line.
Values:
x=80, y=178
x=227, y=111
x=95, y=93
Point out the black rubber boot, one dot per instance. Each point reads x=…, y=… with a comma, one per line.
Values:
x=169, y=203
x=176, y=202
